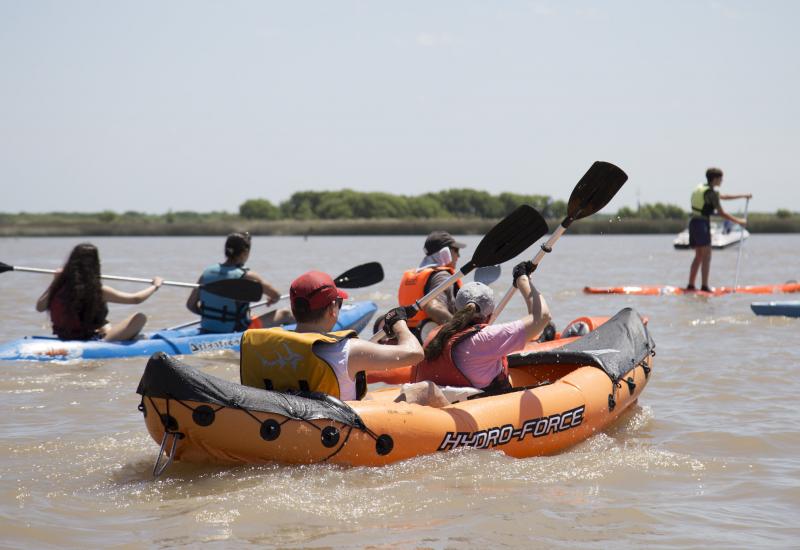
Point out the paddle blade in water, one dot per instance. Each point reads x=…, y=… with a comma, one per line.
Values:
x=487, y=275
x=360, y=276
x=241, y=290
x=596, y=188
x=511, y=236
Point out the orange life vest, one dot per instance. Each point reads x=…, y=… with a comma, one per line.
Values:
x=412, y=288
x=443, y=371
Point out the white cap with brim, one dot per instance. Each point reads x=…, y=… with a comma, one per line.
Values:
x=479, y=294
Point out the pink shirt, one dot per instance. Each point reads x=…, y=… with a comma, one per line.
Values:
x=480, y=357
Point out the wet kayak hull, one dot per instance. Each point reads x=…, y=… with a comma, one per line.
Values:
x=186, y=341
x=789, y=308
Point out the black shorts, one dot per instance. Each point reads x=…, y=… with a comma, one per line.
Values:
x=699, y=232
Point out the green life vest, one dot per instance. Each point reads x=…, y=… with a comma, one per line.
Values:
x=700, y=204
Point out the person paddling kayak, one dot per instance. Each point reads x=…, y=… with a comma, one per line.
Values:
x=312, y=358
x=705, y=202
x=442, y=252
x=77, y=300
x=220, y=314
x=468, y=352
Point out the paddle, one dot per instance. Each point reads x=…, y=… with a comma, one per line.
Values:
x=594, y=190
x=242, y=290
x=487, y=275
x=511, y=236
x=741, y=245
x=356, y=277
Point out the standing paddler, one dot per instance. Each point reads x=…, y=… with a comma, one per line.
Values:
x=705, y=202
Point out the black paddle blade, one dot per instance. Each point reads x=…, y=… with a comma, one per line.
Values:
x=596, y=188
x=241, y=290
x=5, y=267
x=511, y=236
x=487, y=275
x=360, y=276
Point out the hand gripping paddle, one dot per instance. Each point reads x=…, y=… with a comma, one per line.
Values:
x=595, y=189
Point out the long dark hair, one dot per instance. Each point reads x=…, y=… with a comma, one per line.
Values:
x=80, y=282
x=463, y=318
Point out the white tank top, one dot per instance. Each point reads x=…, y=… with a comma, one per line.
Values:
x=336, y=355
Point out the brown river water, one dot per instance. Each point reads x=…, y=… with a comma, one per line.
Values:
x=709, y=457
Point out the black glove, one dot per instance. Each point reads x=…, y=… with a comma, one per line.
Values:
x=391, y=317
x=522, y=268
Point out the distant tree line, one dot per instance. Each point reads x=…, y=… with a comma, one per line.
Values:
x=349, y=204
x=452, y=203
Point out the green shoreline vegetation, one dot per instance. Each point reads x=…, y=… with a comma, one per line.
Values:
x=347, y=212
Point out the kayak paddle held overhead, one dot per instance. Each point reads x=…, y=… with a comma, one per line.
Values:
x=594, y=190
x=242, y=290
x=511, y=236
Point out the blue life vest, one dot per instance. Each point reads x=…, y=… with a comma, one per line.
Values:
x=222, y=314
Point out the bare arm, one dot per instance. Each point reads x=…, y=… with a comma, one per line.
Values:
x=740, y=196
x=538, y=312
x=721, y=211
x=367, y=356
x=269, y=291
x=119, y=297
x=437, y=312
x=734, y=219
x=193, y=301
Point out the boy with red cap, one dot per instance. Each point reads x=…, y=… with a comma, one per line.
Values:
x=311, y=358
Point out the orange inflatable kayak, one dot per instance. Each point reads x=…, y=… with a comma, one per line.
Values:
x=581, y=325
x=666, y=290
x=560, y=398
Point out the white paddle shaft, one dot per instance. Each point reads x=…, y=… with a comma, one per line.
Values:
x=741, y=245
x=425, y=300
x=545, y=248
x=111, y=277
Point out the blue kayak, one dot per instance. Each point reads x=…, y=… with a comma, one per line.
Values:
x=788, y=308
x=185, y=341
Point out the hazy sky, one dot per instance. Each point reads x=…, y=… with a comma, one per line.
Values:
x=200, y=105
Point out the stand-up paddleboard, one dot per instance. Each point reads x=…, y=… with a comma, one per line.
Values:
x=788, y=308
x=667, y=290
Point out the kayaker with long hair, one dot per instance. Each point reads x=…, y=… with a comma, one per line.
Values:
x=705, y=202
x=220, y=314
x=311, y=357
x=77, y=300
x=468, y=352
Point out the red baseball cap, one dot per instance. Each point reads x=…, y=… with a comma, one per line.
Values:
x=316, y=288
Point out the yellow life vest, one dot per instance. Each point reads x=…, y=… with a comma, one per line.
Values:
x=284, y=360
x=700, y=207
